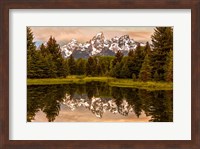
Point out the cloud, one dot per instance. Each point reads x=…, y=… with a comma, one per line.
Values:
x=84, y=34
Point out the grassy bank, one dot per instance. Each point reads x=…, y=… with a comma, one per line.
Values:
x=111, y=82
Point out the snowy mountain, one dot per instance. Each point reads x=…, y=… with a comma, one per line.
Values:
x=99, y=45
x=98, y=106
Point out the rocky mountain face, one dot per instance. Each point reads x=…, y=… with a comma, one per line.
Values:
x=99, y=46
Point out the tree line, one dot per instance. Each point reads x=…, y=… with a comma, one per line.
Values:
x=149, y=63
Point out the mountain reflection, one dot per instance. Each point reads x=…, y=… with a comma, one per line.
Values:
x=98, y=106
x=99, y=99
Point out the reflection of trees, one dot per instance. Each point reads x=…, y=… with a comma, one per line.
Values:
x=33, y=104
x=90, y=89
x=45, y=98
x=117, y=95
x=134, y=100
x=81, y=89
x=71, y=89
x=158, y=104
x=99, y=97
x=33, y=101
x=146, y=98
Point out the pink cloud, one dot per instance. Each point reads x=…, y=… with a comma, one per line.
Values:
x=84, y=34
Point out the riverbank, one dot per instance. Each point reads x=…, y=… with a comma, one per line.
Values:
x=111, y=82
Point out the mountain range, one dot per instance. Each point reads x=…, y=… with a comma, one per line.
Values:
x=99, y=46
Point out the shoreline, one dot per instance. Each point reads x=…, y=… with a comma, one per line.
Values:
x=129, y=83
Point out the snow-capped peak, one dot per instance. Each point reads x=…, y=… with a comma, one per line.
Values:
x=99, y=34
x=98, y=45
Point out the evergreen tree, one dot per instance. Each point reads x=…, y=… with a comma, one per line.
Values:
x=30, y=44
x=96, y=67
x=147, y=48
x=54, y=49
x=106, y=64
x=40, y=65
x=99, y=70
x=50, y=66
x=135, y=63
x=45, y=63
x=81, y=66
x=116, y=71
x=72, y=65
x=145, y=72
x=118, y=57
x=89, y=64
x=31, y=49
x=91, y=69
x=169, y=67
x=124, y=73
x=44, y=51
x=61, y=69
x=131, y=53
x=162, y=42
x=66, y=67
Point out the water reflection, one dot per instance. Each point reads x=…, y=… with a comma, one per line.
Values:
x=66, y=102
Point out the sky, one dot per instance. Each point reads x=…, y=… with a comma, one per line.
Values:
x=83, y=34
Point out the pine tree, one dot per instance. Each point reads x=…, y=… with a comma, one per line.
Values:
x=116, y=70
x=169, y=67
x=131, y=53
x=31, y=54
x=81, y=66
x=89, y=66
x=47, y=63
x=54, y=49
x=162, y=42
x=124, y=73
x=99, y=70
x=30, y=44
x=66, y=67
x=96, y=67
x=72, y=65
x=50, y=66
x=135, y=63
x=147, y=48
x=118, y=57
x=145, y=72
x=44, y=50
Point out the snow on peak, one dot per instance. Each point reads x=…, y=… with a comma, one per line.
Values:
x=99, y=45
x=99, y=34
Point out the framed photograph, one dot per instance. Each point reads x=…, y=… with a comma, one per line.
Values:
x=84, y=74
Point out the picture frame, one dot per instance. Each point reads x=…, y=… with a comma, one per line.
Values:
x=6, y=5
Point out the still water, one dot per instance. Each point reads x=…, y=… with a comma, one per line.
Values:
x=97, y=102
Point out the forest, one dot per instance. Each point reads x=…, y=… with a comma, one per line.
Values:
x=154, y=62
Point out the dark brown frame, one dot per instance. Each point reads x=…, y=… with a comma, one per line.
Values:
x=5, y=5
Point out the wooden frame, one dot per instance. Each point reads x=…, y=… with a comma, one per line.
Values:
x=5, y=5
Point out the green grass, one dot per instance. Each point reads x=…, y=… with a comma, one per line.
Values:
x=111, y=82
